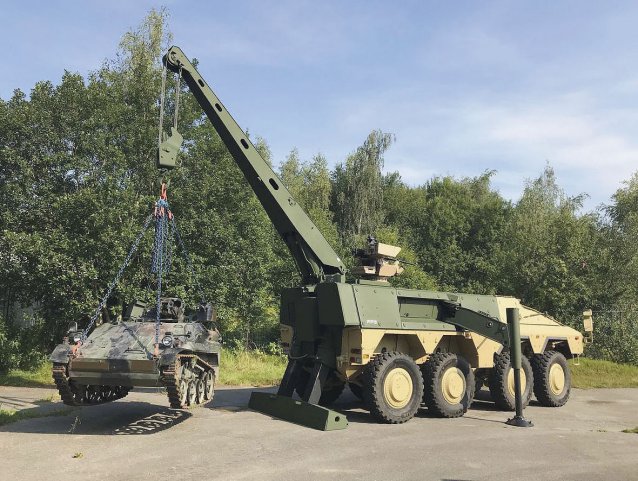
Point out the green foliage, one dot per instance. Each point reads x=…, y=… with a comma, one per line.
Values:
x=547, y=256
x=616, y=335
x=595, y=373
x=21, y=347
x=454, y=226
x=252, y=368
x=8, y=416
x=357, y=197
x=78, y=177
x=36, y=376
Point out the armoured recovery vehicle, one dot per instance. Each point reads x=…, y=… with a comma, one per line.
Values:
x=117, y=356
x=396, y=348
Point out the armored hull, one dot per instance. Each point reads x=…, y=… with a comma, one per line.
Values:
x=367, y=323
x=116, y=357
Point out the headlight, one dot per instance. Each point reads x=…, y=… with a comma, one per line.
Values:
x=167, y=341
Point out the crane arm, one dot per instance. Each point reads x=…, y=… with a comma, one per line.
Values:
x=316, y=260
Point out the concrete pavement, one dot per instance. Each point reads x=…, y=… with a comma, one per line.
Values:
x=139, y=437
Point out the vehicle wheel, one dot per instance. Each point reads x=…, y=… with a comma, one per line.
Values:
x=209, y=385
x=552, y=378
x=192, y=392
x=356, y=390
x=201, y=391
x=449, y=384
x=501, y=382
x=183, y=393
x=392, y=387
x=332, y=388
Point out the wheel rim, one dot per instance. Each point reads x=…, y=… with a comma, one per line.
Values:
x=510, y=381
x=200, y=391
x=192, y=392
x=183, y=395
x=398, y=388
x=556, y=379
x=209, y=385
x=453, y=385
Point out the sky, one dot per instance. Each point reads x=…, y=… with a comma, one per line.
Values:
x=465, y=86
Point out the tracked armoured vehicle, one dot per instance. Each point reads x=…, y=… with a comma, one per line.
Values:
x=120, y=355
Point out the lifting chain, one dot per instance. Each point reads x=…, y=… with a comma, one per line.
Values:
x=162, y=253
x=161, y=263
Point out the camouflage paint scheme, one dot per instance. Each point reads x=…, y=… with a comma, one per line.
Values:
x=122, y=353
x=334, y=328
x=362, y=319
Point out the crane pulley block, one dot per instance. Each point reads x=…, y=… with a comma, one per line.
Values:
x=168, y=150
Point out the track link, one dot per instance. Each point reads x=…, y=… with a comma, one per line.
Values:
x=73, y=394
x=182, y=376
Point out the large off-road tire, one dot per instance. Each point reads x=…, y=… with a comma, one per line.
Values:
x=501, y=382
x=449, y=384
x=552, y=378
x=392, y=387
x=332, y=388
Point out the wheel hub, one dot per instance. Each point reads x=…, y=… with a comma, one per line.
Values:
x=398, y=388
x=453, y=385
x=510, y=381
x=556, y=379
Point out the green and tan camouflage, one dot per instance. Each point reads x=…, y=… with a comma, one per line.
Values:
x=397, y=349
x=120, y=355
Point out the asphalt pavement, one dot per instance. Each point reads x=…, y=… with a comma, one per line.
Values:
x=139, y=438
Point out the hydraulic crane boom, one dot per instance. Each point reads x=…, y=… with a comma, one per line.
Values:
x=339, y=332
x=315, y=258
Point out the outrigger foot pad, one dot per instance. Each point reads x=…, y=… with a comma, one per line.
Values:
x=520, y=422
x=298, y=412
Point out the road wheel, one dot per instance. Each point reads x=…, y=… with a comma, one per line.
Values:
x=192, y=392
x=392, y=387
x=449, y=384
x=501, y=382
x=201, y=391
x=356, y=390
x=209, y=385
x=183, y=393
x=552, y=378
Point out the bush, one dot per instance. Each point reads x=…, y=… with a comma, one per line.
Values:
x=22, y=347
x=615, y=336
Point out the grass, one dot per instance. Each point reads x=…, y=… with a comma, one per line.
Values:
x=250, y=368
x=10, y=416
x=239, y=368
x=40, y=377
x=634, y=430
x=594, y=373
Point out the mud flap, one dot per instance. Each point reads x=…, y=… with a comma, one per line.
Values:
x=298, y=412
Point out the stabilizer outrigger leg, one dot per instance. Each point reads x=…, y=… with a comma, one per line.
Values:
x=307, y=411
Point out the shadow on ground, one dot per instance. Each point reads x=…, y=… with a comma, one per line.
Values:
x=131, y=416
x=123, y=417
